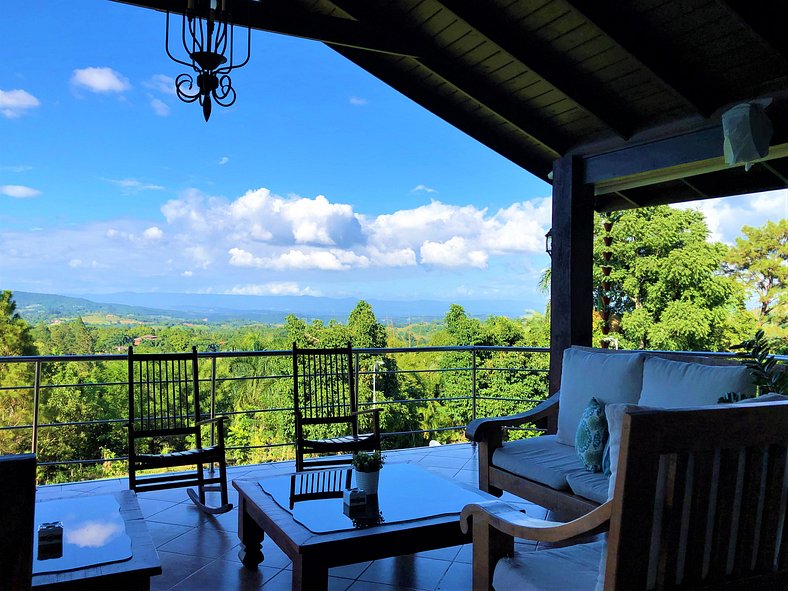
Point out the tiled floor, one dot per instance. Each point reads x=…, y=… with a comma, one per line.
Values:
x=199, y=552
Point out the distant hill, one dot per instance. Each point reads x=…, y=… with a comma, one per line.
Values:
x=209, y=308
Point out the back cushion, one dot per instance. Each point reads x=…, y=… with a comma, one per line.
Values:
x=609, y=377
x=676, y=384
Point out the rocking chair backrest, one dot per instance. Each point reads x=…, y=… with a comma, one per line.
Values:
x=323, y=384
x=164, y=396
x=700, y=499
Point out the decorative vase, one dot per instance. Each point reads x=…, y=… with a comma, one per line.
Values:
x=368, y=481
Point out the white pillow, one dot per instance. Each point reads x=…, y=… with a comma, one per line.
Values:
x=676, y=384
x=609, y=377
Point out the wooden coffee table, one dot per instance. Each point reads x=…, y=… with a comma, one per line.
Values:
x=433, y=503
x=131, y=574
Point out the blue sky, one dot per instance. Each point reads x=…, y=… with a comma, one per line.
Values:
x=319, y=180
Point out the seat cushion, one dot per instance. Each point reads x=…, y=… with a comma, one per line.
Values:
x=574, y=568
x=543, y=459
x=591, y=485
x=676, y=384
x=609, y=377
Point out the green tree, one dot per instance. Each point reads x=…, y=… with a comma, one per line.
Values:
x=15, y=336
x=667, y=286
x=760, y=261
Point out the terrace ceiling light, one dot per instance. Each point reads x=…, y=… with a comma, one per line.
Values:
x=207, y=34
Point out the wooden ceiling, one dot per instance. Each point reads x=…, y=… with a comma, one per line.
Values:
x=635, y=88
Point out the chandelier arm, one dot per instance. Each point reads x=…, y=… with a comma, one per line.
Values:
x=186, y=79
x=167, y=46
x=225, y=84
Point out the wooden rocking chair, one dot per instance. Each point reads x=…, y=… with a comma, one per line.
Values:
x=324, y=394
x=164, y=410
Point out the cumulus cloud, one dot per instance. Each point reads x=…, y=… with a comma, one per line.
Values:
x=100, y=80
x=223, y=160
x=273, y=288
x=357, y=101
x=159, y=107
x=324, y=260
x=134, y=186
x=19, y=191
x=423, y=189
x=455, y=252
x=153, y=234
x=726, y=216
x=15, y=103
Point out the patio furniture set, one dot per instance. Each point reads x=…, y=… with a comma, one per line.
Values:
x=695, y=497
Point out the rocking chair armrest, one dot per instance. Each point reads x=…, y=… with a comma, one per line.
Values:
x=509, y=520
x=479, y=429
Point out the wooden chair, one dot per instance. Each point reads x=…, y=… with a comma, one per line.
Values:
x=17, y=499
x=699, y=503
x=325, y=398
x=319, y=484
x=164, y=410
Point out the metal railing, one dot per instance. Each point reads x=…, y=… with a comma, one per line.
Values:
x=214, y=380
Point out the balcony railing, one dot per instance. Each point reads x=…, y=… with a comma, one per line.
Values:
x=473, y=362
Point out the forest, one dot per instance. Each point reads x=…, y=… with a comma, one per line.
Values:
x=670, y=288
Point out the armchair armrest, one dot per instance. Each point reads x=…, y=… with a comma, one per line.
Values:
x=510, y=521
x=478, y=430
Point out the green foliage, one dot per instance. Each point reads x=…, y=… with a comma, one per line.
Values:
x=365, y=461
x=667, y=288
x=767, y=374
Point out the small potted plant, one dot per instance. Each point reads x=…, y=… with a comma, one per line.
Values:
x=366, y=466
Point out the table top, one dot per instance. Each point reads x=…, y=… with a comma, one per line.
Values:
x=352, y=545
x=144, y=559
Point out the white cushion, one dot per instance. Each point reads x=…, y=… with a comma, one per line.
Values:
x=542, y=459
x=609, y=377
x=574, y=568
x=675, y=384
x=615, y=419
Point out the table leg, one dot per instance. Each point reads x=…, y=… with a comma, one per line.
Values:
x=309, y=576
x=251, y=536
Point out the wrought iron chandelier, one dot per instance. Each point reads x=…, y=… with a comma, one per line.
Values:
x=207, y=33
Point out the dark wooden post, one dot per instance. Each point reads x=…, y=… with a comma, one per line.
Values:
x=571, y=297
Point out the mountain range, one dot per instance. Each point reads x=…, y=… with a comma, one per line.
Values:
x=219, y=308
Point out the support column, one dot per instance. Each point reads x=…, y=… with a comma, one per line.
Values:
x=571, y=283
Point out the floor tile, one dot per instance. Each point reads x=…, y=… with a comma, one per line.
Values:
x=161, y=533
x=349, y=571
x=175, y=568
x=203, y=542
x=459, y=577
x=371, y=586
x=221, y=574
x=407, y=571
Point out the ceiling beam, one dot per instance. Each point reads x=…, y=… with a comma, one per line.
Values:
x=286, y=18
x=474, y=85
x=551, y=66
x=620, y=25
x=764, y=20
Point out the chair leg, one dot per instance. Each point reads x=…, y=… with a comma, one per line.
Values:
x=223, y=476
x=201, y=483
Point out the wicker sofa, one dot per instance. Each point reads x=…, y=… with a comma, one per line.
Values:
x=547, y=470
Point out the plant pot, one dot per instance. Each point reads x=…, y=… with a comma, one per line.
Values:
x=367, y=481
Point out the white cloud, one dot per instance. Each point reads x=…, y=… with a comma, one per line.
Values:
x=15, y=103
x=153, y=234
x=17, y=168
x=357, y=101
x=19, y=191
x=223, y=160
x=423, y=189
x=159, y=107
x=273, y=288
x=161, y=84
x=324, y=260
x=187, y=274
x=455, y=252
x=726, y=216
x=134, y=186
x=100, y=80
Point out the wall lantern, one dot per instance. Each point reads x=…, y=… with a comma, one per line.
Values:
x=207, y=36
x=548, y=242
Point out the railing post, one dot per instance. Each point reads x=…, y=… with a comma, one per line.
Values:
x=355, y=371
x=36, y=400
x=473, y=380
x=213, y=395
